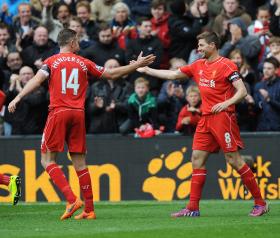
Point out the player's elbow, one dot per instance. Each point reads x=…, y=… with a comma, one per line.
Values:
x=111, y=75
x=171, y=76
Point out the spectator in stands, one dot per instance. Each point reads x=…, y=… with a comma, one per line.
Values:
x=214, y=8
x=76, y=24
x=274, y=48
x=245, y=110
x=24, y=24
x=123, y=27
x=41, y=49
x=5, y=16
x=108, y=103
x=252, y=6
x=198, y=6
x=31, y=112
x=274, y=25
x=14, y=63
x=84, y=13
x=267, y=97
x=63, y=13
x=190, y=113
x=183, y=29
x=139, y=8
x=260, y=28
x=148, y=44
x=172, y=98
x=248, y=75
x=101, y=10
x=250, y=46
x=6, y=45
x=106, y=47
x=142, y=108
x=231, y=9
x=160, y=28
x=54, y=26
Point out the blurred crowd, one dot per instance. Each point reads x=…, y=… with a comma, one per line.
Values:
x=114, y=32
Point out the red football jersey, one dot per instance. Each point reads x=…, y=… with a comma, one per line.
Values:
x=214, y=80
x=68, y=79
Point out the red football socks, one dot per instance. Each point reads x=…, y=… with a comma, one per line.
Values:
x=197, y=182
x=249, y=181
x=61, y=182
x=4, y=179
x=86, y=189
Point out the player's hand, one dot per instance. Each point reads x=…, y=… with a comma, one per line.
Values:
x=13, y=104
x=143, y=61
x=142, y=69
x=219, y=107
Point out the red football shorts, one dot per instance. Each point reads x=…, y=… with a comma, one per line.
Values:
x=218, y=131
x=64, y=125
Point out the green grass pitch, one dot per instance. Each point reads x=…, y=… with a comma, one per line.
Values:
x=141, y=219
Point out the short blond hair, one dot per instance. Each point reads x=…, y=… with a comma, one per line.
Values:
x=84, y=4
x=141, y=80
x=192, y=89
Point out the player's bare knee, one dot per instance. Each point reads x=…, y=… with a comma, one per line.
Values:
x=79, y=161
x=197, y=161
x=232, y=159
x=44, y=162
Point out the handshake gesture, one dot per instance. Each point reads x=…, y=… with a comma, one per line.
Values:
x=143, y=61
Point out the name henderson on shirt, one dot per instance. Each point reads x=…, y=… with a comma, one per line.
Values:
x=56, y=63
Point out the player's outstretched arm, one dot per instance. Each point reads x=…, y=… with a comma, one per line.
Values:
x=118, y=72
x=32, y=84
x=162, y=73
x=239, y=95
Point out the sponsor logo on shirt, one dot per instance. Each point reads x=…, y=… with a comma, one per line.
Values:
x=207, y=83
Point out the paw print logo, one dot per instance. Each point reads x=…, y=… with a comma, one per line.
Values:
x=170, y=177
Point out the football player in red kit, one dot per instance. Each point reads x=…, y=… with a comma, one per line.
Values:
x=221, y=88
x=67, y=76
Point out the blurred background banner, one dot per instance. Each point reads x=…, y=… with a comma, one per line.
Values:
x=159, y=168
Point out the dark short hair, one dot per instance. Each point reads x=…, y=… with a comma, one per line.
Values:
x=140, y=20
x=210, y=37
x=263, y=8
x=65, y=36
x=157, y=3
x=272, y=60
x=76, y=19
x=4, y=26
x=104, y=26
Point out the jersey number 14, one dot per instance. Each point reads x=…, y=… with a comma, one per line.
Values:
x=72, y=82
